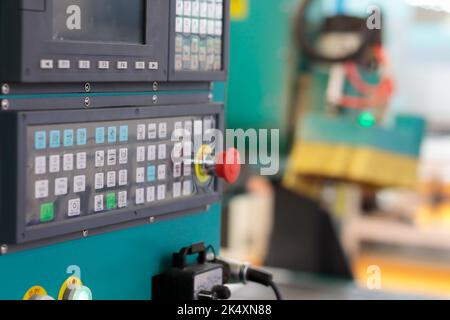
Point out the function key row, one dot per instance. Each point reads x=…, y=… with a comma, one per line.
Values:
x=64, y=64
x=78, y=137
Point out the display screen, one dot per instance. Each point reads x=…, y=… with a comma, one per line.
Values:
x=99, y=20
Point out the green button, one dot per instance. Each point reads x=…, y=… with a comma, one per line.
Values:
x=47, y=212
x=111, y=201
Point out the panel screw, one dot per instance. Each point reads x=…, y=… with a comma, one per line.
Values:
x=4, y=249
x=152, y=220
x=85, y=233
x=87, y=87
x=87, y=101
x=5, y=104
x=5, y=88
x=155, y=86
x=155, y=98
x=210, y=97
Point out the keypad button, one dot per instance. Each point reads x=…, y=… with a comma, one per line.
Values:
x=54, y=164
x=211, y=10
x=162, y=152
x=198, y=128
x=99, y=181
x=151, y=173
x=162, y=172
x=122, y=199
x=103, y=65
x=123, y=177
x=40, y=140
x=195, y=8
x=151, y=194
x=219, y=11
x=187, y=170
x=63, y=64
x=122, y=65
x=187, y=10
x=187, y=150
x=203, y=9
x=47, y=212
x=112, y=135
x=177, y=151
x=163, y=130
x=99, y=158
x=111, y=201
x=84, y=64
x=187, y=188
x=82, y=136
x=195, y=26
x=112, y=157
x=140, y=196
x=140, y=154
x=152, y=132
x=123, y=134
x=40, y=165
x=139, y=65
x=68, y=138
x=81, y=160
x=140, y=175
x=153, y=65
x=68, y=162
x=55, y=139
x=188, y=127
x=187, y=23
x=123, y=156
x=41, y=189
x=74, y=207
x=61, y=186
x=161, y=193
x=176, y=189
x=151, y=153
x=111, y=179
x=141, y=132
x=79, y=184
x=179, y=7
x=177, y=168
x=100, y=135
x=179, y=24
x=47, y=64
x=98, y=203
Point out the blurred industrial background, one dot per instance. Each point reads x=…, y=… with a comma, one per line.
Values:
x=363, y=189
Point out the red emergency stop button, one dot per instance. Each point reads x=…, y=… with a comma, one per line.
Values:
x=228, y=165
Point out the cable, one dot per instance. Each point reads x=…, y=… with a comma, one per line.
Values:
x=276, y=290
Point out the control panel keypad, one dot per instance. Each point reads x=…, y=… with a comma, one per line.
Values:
x=199, y=35
x=83, y=169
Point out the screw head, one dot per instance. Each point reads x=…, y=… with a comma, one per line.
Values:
x=155, y=98
x=3, y=249
x=87, y=101
x=85, y=233
x=5, y=88
x=87, y=87
x=151, y=219
x=5, y=104
x=155, y=86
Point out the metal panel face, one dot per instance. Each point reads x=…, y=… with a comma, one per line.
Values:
x=83, y=170
x=79, y=40
x=199, y=40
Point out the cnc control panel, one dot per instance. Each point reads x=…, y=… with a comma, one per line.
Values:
x=82, y=172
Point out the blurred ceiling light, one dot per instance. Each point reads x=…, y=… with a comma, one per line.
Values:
x=436, y=5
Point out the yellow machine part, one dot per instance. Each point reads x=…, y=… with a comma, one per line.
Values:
x=319, y=161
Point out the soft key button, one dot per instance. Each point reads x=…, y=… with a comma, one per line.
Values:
x=74, y=207
x=40, y=166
